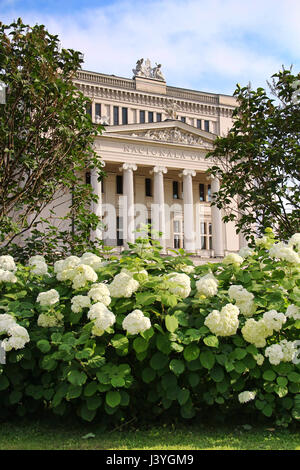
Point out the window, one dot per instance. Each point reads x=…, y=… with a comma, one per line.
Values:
x=150, y=116
x=199, y=123
x=119, y=231
x=116, y=115
x=158, y=117
x=175, y=190
x=88, y=177
x=124, y=115
x=177, y=234
x=148, y=187
x=88, y=109
x=183, y=119
x=97, y=109
x=210, y=236
x=119, y=184
x=209, y=192
x=142, y=116
x=201, y=192
x=206, y=126
x=203, y=235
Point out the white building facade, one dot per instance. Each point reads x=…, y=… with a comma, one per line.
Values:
x=154, y=146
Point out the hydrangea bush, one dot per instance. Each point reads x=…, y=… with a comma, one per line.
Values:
x=145, y=335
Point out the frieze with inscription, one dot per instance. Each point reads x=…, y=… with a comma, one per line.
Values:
x=162, y=153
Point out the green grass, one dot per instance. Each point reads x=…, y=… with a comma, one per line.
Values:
x=46, y=436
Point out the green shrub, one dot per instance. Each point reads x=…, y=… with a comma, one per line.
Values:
x=145, y=335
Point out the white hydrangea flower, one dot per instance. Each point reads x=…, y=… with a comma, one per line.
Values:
x=6, y=322
x=91, y=260
x=103, y=318
x=264, y=242
x=79, y=302
x=243, y=299
x=233, y=258
x=207, y=285
x=284, y=252
x=83, y=274
x=275, y=354
x=7, y=263
x=123, y=285
x=289, y=349
x=274, y=320
x=64, y=269
x=39, y=266
x=7, y=276
x=294, y=241
x=136, y=322
x=48, y=298
x=246, y=251
x=246, y=396
x=187, y=268
x=18, y=338
x=49, y=321
x=100, y=293
x=256, y=332
x=180, y=284
x=259, y=359
x=225, y=322
x=293, y=312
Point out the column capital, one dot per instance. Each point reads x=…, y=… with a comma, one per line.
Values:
x=188, y=173
x=129, y=166
x=159, y=169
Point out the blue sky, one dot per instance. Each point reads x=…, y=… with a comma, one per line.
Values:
x=207, y=45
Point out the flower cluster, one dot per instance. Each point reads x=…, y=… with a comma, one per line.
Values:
x=256, y=332
x=100, y=293
x=180, y=284
x=7, y=269
x=50, y=319
x=78, y=302
x=39, y=265
x=225, y=322
x=244, y=299
x=246, y=251
x=281, y=352
x=233, y=258
x=102, y=317
x=123, y=285
x=294, y=241
x=18, y=335
x=136, y=322
x=246, y=396
x=48, y=298
x=293, y=312
x=77, y=270
x=207, y=285
x=284, y=252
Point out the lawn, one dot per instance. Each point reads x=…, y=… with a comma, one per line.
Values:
x=49, y=436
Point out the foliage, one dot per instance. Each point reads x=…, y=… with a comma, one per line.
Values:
x=85, y=362
x=46, y=141
x=258, y=161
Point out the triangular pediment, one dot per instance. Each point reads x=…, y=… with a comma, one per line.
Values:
x=168, y=132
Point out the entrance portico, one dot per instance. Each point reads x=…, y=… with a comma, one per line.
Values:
x=156, y=174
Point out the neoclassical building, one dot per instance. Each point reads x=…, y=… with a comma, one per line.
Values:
x=153, y=147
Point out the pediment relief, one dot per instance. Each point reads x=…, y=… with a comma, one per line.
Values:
x=173, y=135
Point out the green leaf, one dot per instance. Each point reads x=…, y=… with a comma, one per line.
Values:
x=117, y=382
x=15, y=397
x=269, y=375
x=191, y=352
x=43, y=345
x=294, y=377
x=148, y=375
x=86, y=414
x=217, y=374
x=207, y=359
x=76, y=377
x=90, y=389
x=267, y=410
x=113, y=398
x=140, y=344
x=171, y=323
x=183, y=396
x=211, y=341
x=177, y=366
x=158, y=361
x=74, y=392
x=4, y=383
x=94, y=402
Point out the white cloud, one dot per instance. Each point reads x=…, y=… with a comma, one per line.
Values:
x=197, y=42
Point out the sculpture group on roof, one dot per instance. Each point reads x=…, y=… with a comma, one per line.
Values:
x=144, y=69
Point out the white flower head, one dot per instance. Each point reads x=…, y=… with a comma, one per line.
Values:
x=225, y=322
x=136, y=322
x=7, y=263
x=7, y=276
x=48, y=298
x=103, y=318
x=246, y=396
x=207, y=285
x=123, y=285
x=79, y=302
x=180, y=284
x=100, y=293
x=233, y=258
x=293, y=312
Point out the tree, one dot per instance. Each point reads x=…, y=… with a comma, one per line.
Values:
x=258, y=162
x=46, y=139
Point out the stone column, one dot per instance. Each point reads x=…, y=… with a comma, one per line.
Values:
x=96, y=207
x=216, y=220
x=188, y=210
x=158, y=213
x=128, y=202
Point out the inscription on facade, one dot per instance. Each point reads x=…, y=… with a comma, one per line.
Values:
x=163, y=153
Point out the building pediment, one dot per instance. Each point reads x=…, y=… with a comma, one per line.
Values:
x=168, y=132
